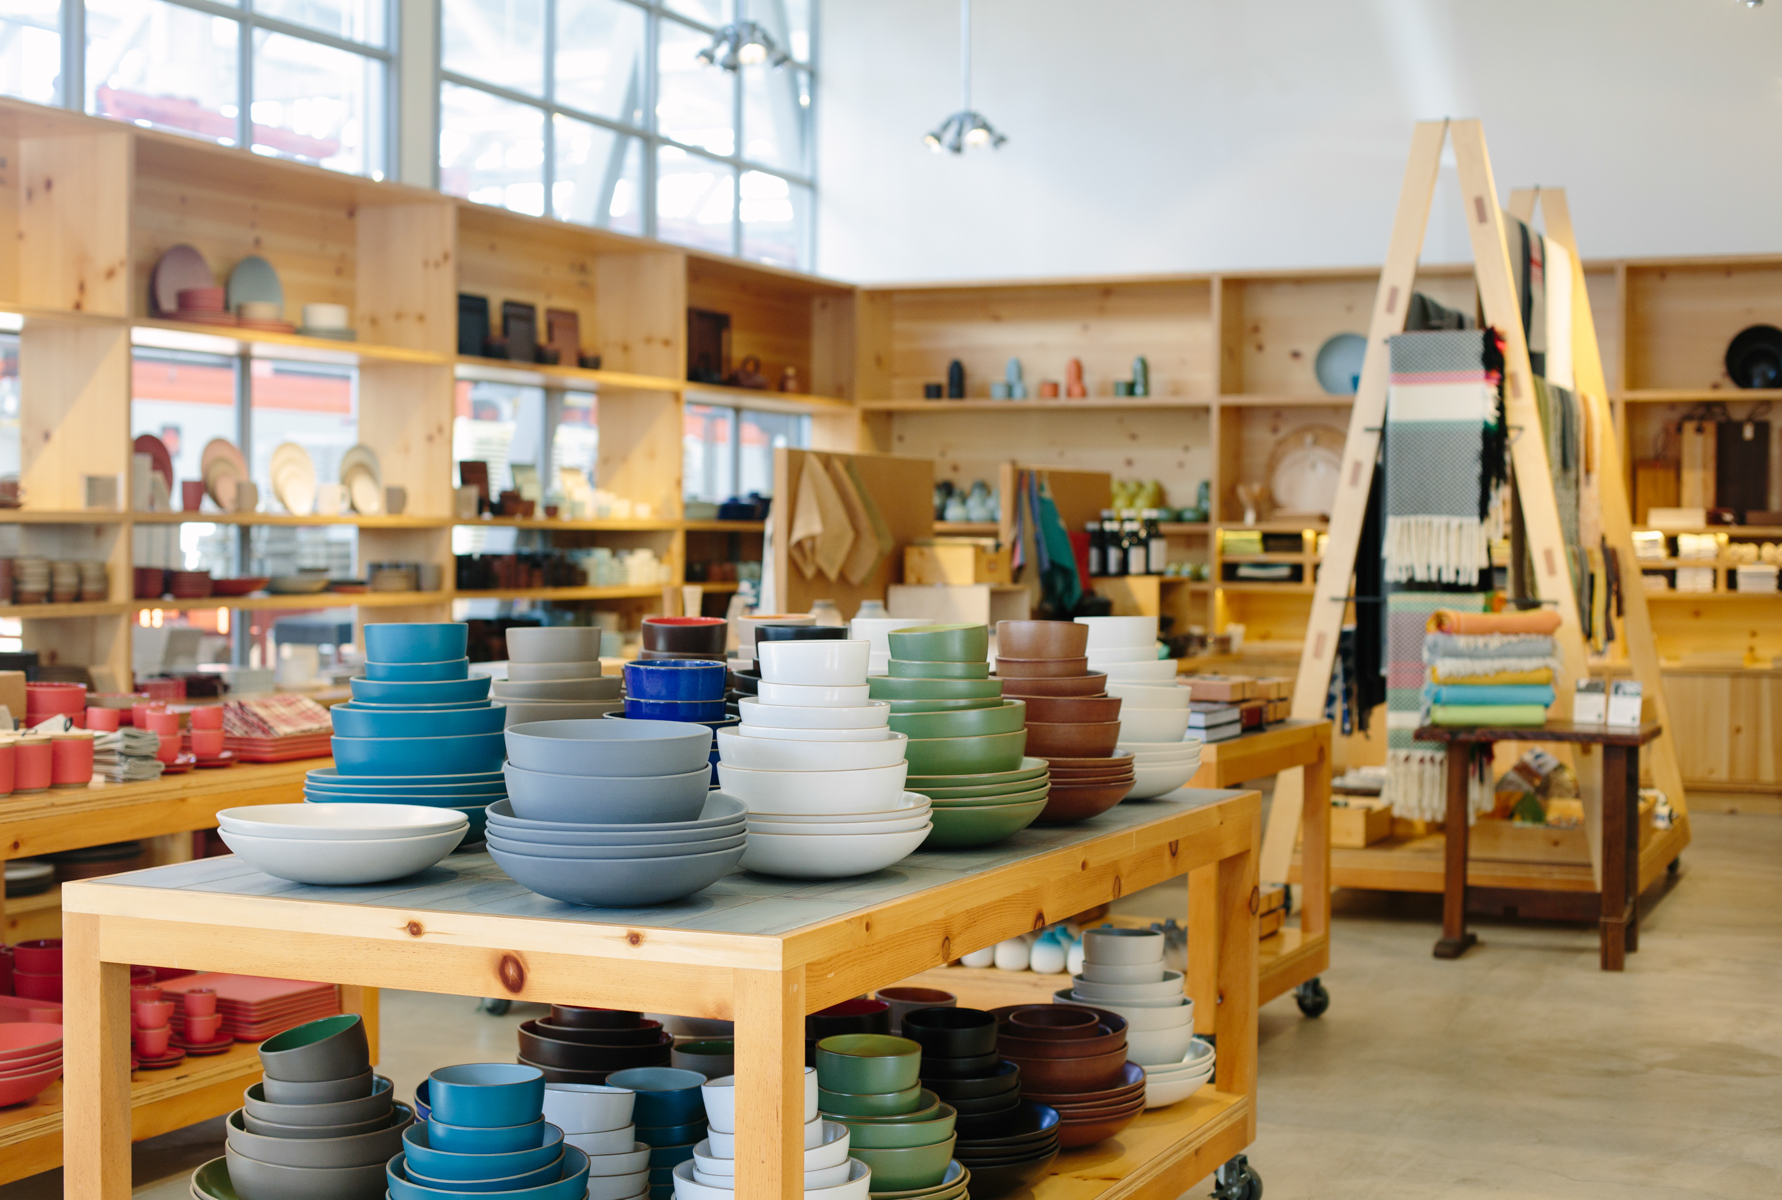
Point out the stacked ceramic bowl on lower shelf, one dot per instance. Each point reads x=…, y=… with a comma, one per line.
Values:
x=485, y=1133
x=617, y=814
x=829, y=1174
x=585, y=1045
x=872, y=1084
x=1073, y=1059
x=30, y=1059
x=1159, y=768
x=597, y=1120
x=341, y=844
x=1123, y=973
x=553, y=674
x=669, y=1117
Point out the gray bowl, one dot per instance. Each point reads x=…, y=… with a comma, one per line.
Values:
x=619, y=883
x=317, y=1051
x=375, y=1146
x=256, y=1180
x=328, y=1091
x=721, y=811
x=524, y=833
x=586, y=799
x=343, y=1112
x=605, y=854
x=609, y=748
x=272, y=1129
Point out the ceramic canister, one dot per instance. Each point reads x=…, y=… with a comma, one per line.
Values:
x=166, y=725
x=32, y=770
x=71, y=761
x=103, y=720
x=8, y=764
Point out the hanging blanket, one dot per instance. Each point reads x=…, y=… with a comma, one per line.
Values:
x=1559, y=316
x=1562, y=427
x=1416, y=781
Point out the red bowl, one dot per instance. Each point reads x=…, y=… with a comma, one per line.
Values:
x=40, y=957
x=16, y=1091
x=21, y=1040
x=1050, y=1022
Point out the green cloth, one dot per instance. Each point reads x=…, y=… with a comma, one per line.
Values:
x=1488, y=714
x=1059, y=580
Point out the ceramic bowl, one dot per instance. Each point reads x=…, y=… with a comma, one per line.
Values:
x=812, y=663
x=815, y=735
x=640, y=1033
x=686, y=635
x=249, y=1177
x=328, y=1091
x=1031, y=790
x=682, y=679
x=340, y=1112
x=789, y=632
x=340, y=862
x=1159, y=1046
x=608, y=748
x=941, y=706
x=1040, y=668
x=724, y=1144
x=353, y=722
x=602, y=854
x=866, y=823
x=896, y=1132
x=665, y=1096
x=981, y=826
x=357, y=1150
x=485, y=1094
x=1122, y=654
x=445, y=691
x=1151, y=695
x=1119, y=632
x=720, y=815
x=906, y=999
x=1112, y=946
x=1041, y=639
x=905, y=1167
x=418, y=755
x=1076, y=740
x=828, y=856
x=713, y=1058
x=619, y=883
x=521, y=837
x=1157, y=672
x=1150, y=782
x=682, y=1185
x=1055, y=1023
x=1165, y=1090
x=1006, y=717
x=1153, y=724
x=719, y=1097
x=859, y=1015
x=899, y=668
x=989, y=791
x=520, y=672
x=486, y=1139
x=785, y=755
x=1110, y=1035
x=869, y=1104
x=883, y=687
x=587, y=1108
x=1143, y=1018
x=951, y=1032
x=561, y=643
x=607, y=1141
x=874, y=714
x=630, y=1161
x=330, y=778
x=455, y=668
x=1093, y=683
x=1167, y=988
x=338, y=822
x=797, y=695
x=532, y=712
x=986, y=753
x=584, y=799
x=831, y=1149
x=1088, y=1073
x=572, y=1183
x=405, y=642
x=550, y=1172
x=1029, y=769
x=674, y=710
x=1073, y=709
x=941, y=643
x=869, y=1062
x=1066, y=804
x=602, y=687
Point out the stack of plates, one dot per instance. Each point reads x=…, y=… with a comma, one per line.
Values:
x=278, y=749
x=255, y=1008
x=257, y=297
x=1159, y=768
x=95, y=579
x=327, y=321
x=364, y=482
x=203, y=306
x=1177, y=1081
x=224, y=470
x=553, y=674
x=189, y=585
x=584, y=1045
x=64, y=582
x=180, y=268
x=30, y=1059
x=393, y=577
x=30, y=580
x=341, y=844
x=294, y=479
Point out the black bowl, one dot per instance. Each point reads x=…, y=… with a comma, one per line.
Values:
x=574, y=1056
x=560, y=1075
x=951, y=1032
x=647, y=1034
x=1006, y=1078
x=1024, y=1120
x=594, y=1018
x=993, y=1152
x=801, y=633
x=745, y=683
x=1001, y=1179
x=850, y=1016
x=978, y=1067
x=987, y=1106
x=1754, y=357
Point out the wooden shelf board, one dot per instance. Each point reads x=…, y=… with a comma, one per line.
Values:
x=597, y=525
x=505, y=370
x=48, y=612
x=1260, y=587
x=764, y=399
x=1737, y=530
x=14, y=317
x=262, y=343
x=1287, y=400
x=724, y=526
x=979, y=404
x=45, y=516
x=374, y=521
x=621, y=592
x=721, y=585
x=966, y=529
x=1288, y=958
x=1316, y=525
x=1185, y=527
x=298, y=603
x=1696, y=395
x=1713, y=597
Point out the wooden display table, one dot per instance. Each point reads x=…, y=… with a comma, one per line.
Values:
x=1619, y=926
x=762, y=952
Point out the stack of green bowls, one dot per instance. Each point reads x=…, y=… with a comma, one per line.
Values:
x=869, y=1082
x=966, y=740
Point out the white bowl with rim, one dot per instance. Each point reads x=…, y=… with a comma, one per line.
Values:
x=339, y=822
x=784, y=754
x=799, y=695
x=908, y=804
x=1120, y=654
x=814, y=663
x=1157, y=671
x=1158, y=1046
x=1153, y=724
x=1167, y=988
x=874, y=714
x=1164, y=1090
x=829, y=855
x=878, y=734
x=1161, y=1015
x=830, y=1151
x=1116, y=632
x=587, y=1107
x=863, y=790
x=1098, y=972
x=720, y=1106
x=793, y=827
x=1149, y=695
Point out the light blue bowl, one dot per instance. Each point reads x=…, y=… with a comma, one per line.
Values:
x=608, y=748
x=572, y=1186
x=445, y=1165
x=406, y=642
x=444, y=691
x=676, y=679
x=486, y=1095
x=412, y=756
x=354, y=722
x=474, y=781
x=451, y=668
x=616, y=800
x=699, y=711
x=665, y=1095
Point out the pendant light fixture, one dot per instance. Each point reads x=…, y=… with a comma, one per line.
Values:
x=743, y=44
x=965, y=127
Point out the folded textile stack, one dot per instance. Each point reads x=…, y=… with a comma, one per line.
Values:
x=276, y=728
x=1489, y=668
x=127, y=755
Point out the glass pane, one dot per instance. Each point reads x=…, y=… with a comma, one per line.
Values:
x=776, y=118
x=598, y=178
x=185, y=400
x=31, y=50
x=695, y=200
x=365, y=21
x=762, y=433
x=163, y=66
x=788, y=21
x=491, y=150
x=499, y=424
x=600, y=58
x=695, y=103
x=712, y=12
x=707, y=461
x=318, y=104
x=776, y=220
x=575, y=443
x=311, y=404
x=497, y=41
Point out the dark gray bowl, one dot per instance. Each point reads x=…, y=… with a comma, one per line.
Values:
x=584, y=799
x=343, y=1112
x=317, y=1051
x=721, y=811
x=618, y=883
x=608, y=748
x=605, y=854
x=273, y=1129
x=530, y=833
x=255, y=1180
x=377, y=1146
x=327, y=1091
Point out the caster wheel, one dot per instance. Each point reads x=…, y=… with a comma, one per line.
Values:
x=495, y=1008
x=1237, y=1180
x=1312, y=997
x=1675, y=865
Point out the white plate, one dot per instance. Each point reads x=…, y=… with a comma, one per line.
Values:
x=340, y=863
x=367, y=494
x=797, y=792
x=781, y=754
x=341, y=822
x=796, y=695
x=1160, y=1093
x=358, y=456
x=910, y=804
x=871, y=715
x=832, y=856
x=814, y=735
x=294, y=479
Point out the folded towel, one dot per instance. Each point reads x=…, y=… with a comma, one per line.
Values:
x=1486, y=645
x=1488, y=714
x=1452, y=670
x=1537, y=621
x=1489, y=694
x=1471, y=675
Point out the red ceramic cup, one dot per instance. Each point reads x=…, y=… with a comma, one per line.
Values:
x=207, y=743
x=166, y=724
x=41, y=956
x=103, y=720
x=152, y=1043
x=209, y=716
x=204, y=1029
x=71, y=761
x=152, y=1014
x=28, y=986
x=33, y=768
x=200, y=1002
x=144, y=993
x=192, y=494
x=139, y=712
x=8, y=766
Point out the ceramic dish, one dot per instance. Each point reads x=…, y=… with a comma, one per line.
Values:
x=608, y=748
x=1153, y=724
x=456, y=668
x=940, y=643
x=342, y=862
x=523, y=672
x=343, y=1112
x=720, y=811
x=1029, y=768
x=1160, y=671
x=1151, y=695
x=828, y=856
x=357, y=1150
x=250, y=1177
x=1041, y=668
x=898, y=668
x=620, y=883
x=353, y=722
x=585, y=799
x=553, y=644
x=812, y=663
x=778, y=754
x=338, y=822
x=883, y=687
x=791, y=827
x=984, y=754
x=864, y=790
x=1092, y=683
x=874, y=714
x=450, y=691
x=1006, y=717
x=814, y=735
x=982, y=826
x=795, y=695
x=599, y=687
x=411, y=756
x=690, y=679
x=416, y=642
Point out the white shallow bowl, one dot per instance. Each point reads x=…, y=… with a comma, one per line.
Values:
x=1153, y=724
x=783, y=754
x=831, y=1150
x=873, y=789
x=874, y=714
x=793, y=828
x=1120, y=654
x=605, y=1141
x=1174, y=748
x=853, y=1188
x=720, y=1109
x=1098, y=972
x=1164, y=1090
x=587, y=1107
x=814, y=664
x=631, y=1161
x=1159, y=671
x=723, y=1144
x=340, y=822
x=1160, y=1015
x=829, y=856
x=1165, y=989
x=1149, y=782
x=1115, y=632
x=602, y=687
x=525, y=672
x=1162, y=1047
x=1149, y=695
x=813, y=1180
x=796, y=695
x=1117, y=947
x=340, y=863
x=814, y=735
x=907, y=804
x=633, y=1186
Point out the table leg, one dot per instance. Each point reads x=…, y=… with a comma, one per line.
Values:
x=769, y=1012
x=1455, y=939
x=96, y=1066
x=1314, y=903
x=1612, y=930
x=1633, y=849
x=1233, y=1011
x=1204, y=933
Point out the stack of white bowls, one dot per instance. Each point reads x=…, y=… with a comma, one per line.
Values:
x=1159, y=768
x=819, y=767
x=1123, y=972
x=596, y=1120
x=711, y=1174
x=745, y=634
x=553, y=674
x=341, y=844
x=1125, y=648
x=876, y=631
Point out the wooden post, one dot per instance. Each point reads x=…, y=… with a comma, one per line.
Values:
x=769, y=1012
x=1619, y=826
x=1234, y=1002
x=1455, y=939
x=1205, y=933
x=1314, y=905
x=96, y=1066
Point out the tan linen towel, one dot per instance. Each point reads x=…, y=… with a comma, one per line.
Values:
x=837, y=537
x=807, y=520
x=864, y=555
x=1446, y=620
x=876, y=525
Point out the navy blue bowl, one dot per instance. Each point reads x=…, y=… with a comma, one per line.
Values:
x=691, y=711
x=444, y=691
x=451, y=668
x=443, y=1164
x=354, y=722
x=486, y=1095
x=405, y=642
x=681, y=679
x=665, y=1157
x=384, y=756
x=666, y=1096
x=422, y=1107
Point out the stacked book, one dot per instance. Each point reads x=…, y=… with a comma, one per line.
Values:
x=127, y=755
x=1214, y=721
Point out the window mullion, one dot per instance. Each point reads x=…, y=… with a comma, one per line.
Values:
x=244, y=124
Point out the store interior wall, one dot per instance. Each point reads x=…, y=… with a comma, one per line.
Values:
x=1191, y=135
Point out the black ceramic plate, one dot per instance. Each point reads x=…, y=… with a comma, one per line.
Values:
x=978, y=1159
x=576, y=1057
x=1005, y=1078
x=978, y=1066
x=745, y=683
x=988, y=1105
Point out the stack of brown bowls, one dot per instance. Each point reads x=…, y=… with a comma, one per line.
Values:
x=1072, y=722
x=1073, y=1058
x=684, y=637
x=585, y=1045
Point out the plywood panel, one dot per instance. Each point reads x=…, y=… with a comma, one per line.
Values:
x=1267, y=616
x=72, y=224
x=1740, y=625
x=1729, y=726
x=832, y=348
x=640, y=448
x=902, y=489
x=405, y=413
x=1106, y=325
x=75, y=384
x=642, y=313
x=770, y=317
x=407, y=273
x=1260, y=430
x=1680, y=320
x=530, y=262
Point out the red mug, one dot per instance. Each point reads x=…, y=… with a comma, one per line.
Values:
x=102, y=720
x=204, y=1029
x=192, y=494
x=139, y=712
x=152, y=1014
x=207, y=743
x=209, y=716
x=146, y=993
x=8, y=765
x=71, y=761
x=33, y=767
x=200, y=1002
x=165, y=724
x=152, y=1043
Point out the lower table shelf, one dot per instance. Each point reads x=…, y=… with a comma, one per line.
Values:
x=1287, y=958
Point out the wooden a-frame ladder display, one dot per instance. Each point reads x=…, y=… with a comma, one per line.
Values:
x=1534, y=481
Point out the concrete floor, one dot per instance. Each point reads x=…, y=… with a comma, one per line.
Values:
x=1520, y=1070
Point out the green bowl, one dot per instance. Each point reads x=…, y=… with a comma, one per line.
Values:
x=967, y=755
x=1006, y=717
x=928, y=1108
x=989, y=791
x=900, y=1132
x=883, y=687
x=907, y=1166
x=901, y=668
x=1030, y=768
x=922, y=706
x=212, y=1181
x=958, y=1184
x=981, y=826
x=1032, y=793
x=857, y=1063
x=871, y=1104
x=941, y=643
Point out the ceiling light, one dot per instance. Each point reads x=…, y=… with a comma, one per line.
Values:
x=743, y=44
x=965, y=127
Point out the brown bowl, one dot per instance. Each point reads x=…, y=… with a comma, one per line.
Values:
x=1042, y=639
x=1081, y=740
x=1067, y=804
x=1071, y=1136
x=560, y=1075
x=1020, y=1047
x=1085, y=774
x=1048, y=1022
x=1061, y=1076
x=1131, y=1082
x=1041, y=668
x=1064, y=766
x=1068, y=709
x=1080, y=1113
x=595, y=1018
x=1026, y=688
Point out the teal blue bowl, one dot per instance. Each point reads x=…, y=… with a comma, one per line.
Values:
x=485, y=1139
x=331, y=779
x=416, y=755
x=444, y=691
x=572, y=1185
x=486, y=1095
x=452, y=668
x=353, y=722
x=416, y=642
x=481, y=1172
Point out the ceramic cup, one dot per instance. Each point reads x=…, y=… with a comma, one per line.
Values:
x=140, y=710
x=152, y=1043
x=152, y=1014
x=204, y=1029
x=210, y=716
x=8, y=765
x=103, y=720
x=144, y=993
x=207, y=743
x=199, y=1002
x=191, y=494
